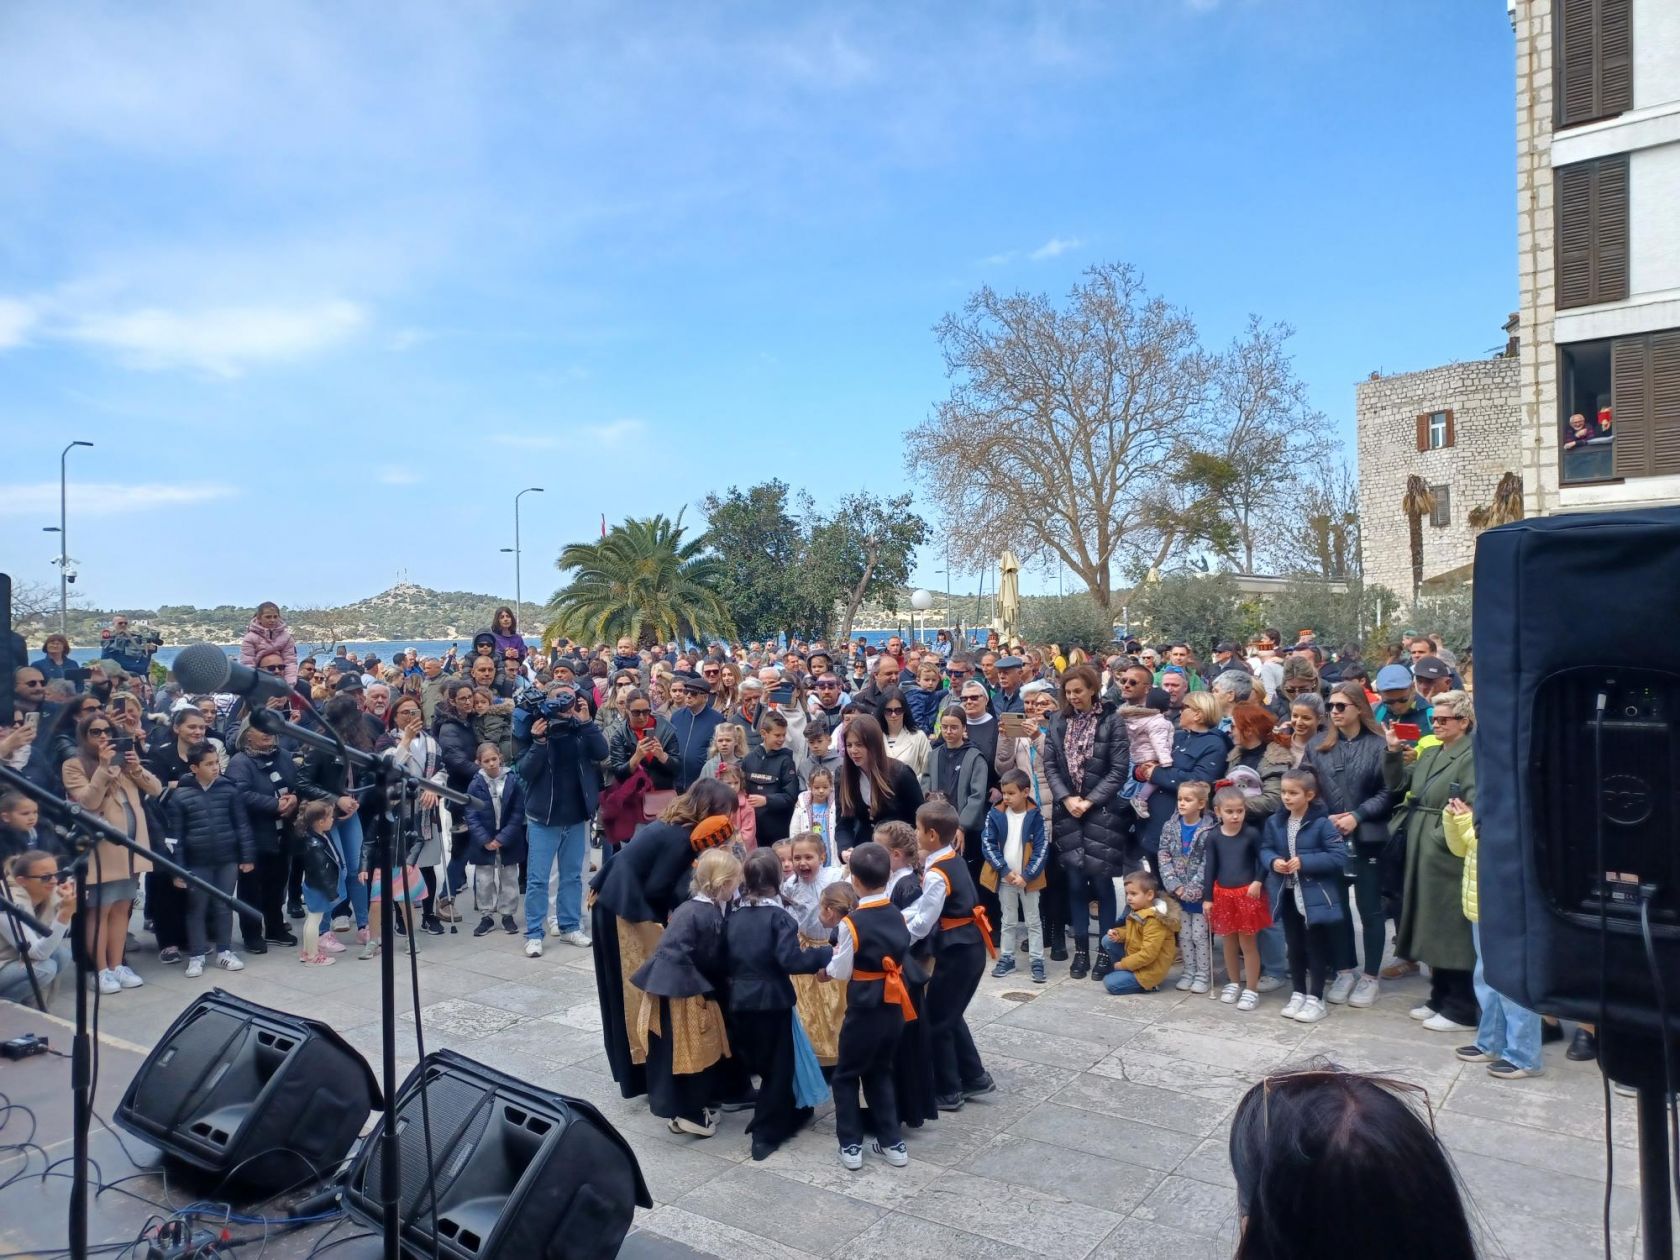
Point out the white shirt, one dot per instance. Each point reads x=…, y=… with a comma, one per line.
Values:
x=923, y=917
x=840, y=966
x=1012, y=843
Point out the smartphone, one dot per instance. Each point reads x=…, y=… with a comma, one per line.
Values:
x=32, y=720
x=642, y=725
x=1013, y=725
x=782, y=695
x=1410, y=732
x=124, y=744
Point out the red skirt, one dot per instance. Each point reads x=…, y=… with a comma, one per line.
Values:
x=1235, y=911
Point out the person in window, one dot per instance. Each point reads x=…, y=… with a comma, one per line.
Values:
x=1577, y=431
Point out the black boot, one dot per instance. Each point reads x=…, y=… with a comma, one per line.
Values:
x=1081, y=964
x=1584, y=1049
x=1103, y=964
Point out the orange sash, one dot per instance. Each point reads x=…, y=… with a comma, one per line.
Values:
x=980, y=920
x=895, y=990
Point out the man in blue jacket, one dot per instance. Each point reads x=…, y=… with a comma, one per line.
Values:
x=694, y=724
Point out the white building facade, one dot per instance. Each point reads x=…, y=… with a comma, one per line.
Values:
x=1598, y=210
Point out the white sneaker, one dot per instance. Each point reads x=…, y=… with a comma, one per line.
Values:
x=1365, y=992
x=1440, y=1023
x=533, y=948
x=578, y=937
x=1248, y=1001
x=1341, y=988
x=1421, y=1012
x=851, y=1157
x=1230, y=993
x=1312, y=1010
x=898, y=1156
x=342, y=923
x=1199, y=985
x=1270, y=984
x=227, y=960
x=126, y=977
x=554, y=927
x=1292, y=1008
x=195, y=966
x=1183, y=985
x=107, y=982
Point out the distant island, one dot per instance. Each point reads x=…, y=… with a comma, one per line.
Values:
x=406, y=611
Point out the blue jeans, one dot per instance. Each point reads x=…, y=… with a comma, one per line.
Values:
x=348, y=833
x=1509, y=1031
x=1118, y=982
x=565, y=844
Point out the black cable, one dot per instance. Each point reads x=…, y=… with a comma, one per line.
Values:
x=1603, y=962
x=1667, y=1041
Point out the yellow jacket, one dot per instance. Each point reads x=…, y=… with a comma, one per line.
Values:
x=1147, y=942
x=1461, y=840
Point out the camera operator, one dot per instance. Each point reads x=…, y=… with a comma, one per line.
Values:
x=130, y=649
x=562, y=776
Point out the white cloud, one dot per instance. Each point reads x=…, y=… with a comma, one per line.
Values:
x=16, y=318
x=606, y=434
x=105, y=498
x=612, y=431
x=998, y=260
x=1055, y=247
x=397, y=475
x=223, y=341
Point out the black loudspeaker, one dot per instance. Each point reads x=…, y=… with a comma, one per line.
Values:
x=1577, y=692
x=260, y=1097
x=520, y=1173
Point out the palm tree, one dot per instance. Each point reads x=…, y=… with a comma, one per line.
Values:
x=642, y=580
x=1507, y=504
x=1417, y=503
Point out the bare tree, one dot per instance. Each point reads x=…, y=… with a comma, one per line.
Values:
x=1320, y=529
x=1065, y=426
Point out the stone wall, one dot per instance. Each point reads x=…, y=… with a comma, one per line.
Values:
x=1483, y=397
x=1537, y=385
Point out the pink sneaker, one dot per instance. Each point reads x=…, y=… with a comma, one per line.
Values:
x=331, y=945
x=319, y=960
x=361, y=936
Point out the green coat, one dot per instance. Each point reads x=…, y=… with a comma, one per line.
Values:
x=1432, y=928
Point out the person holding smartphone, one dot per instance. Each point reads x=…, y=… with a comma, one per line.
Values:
x=643, y=739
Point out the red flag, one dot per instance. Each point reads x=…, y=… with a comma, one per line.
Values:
x=603, y=524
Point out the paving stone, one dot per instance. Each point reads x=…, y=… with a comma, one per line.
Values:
x=1095, y=1133
x=714, y=1239
x=458, y=1018
x=1165, y=1108
x=905, y=1237
x=1185, y=1076
x=532, y=999
x=792, y=1213
x=1184, y=1205
x=816, y=1163
x=1036, y=1046
x=1227, y=1050
x=1210, y=1162
x=1095, y=1026
x=1044, y=1223
x=1111, y=1185
x=1141, y=1238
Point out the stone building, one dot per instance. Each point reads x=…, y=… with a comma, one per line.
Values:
x=1598, y=186
x=1454, y=426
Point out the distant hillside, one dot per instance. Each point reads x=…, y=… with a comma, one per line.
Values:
x=406, y=611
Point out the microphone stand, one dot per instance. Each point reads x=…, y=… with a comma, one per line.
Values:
x=84, y=830
x=387, y=775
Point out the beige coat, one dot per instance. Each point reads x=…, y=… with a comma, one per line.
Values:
x=102, y=793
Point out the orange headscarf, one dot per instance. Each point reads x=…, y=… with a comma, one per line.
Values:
x=711, y=832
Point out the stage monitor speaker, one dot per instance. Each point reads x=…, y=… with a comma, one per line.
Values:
x=258, y=1096
x=520, y=1173
x=1577, y=692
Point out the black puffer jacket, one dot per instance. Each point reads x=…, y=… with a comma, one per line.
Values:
x=1099, y=844
x=1350, y=781
x=211, y=825
x=250, y=775
x=458, y=748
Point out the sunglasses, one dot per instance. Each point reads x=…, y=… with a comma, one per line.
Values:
x=828, y=686
x=897, y=708
x=1338, y=708
x=273, y=669
x=640, y=712
x=99, y=730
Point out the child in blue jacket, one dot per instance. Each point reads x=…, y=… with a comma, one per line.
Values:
x=1016, y=854
x=496, y=827
x=1306, y=858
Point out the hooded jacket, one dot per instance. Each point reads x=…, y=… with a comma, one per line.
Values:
x=1035, y=853
x=1146, y=943
x=970, y=797
x=483, y=827
x=260, y=641
x=1323, y=860
x=250, y=773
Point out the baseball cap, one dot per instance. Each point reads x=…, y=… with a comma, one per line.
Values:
x=1392, y=678
x=1431, y=668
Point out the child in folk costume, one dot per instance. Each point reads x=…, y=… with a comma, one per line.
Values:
x=913, y=1066
x=815, y=812
x=949, y=913
x=870, y=951
x=810, y=876
x=822, y=1007
x=762, y=948
x=679, y=1013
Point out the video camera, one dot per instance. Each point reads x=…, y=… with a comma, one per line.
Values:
x=559, y=707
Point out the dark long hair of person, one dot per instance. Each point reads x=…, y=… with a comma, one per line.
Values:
x=762, y=875
x=869, y=733
x=1331, y=1163
x=705, y=799
x=344, y=715
x=1354, y=694
x=1087, y=674
x=895, y=692
x=496, y=621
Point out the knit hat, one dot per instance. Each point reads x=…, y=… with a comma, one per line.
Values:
x=711, y=832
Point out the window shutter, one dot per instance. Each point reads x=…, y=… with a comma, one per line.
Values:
x=1630, y=401
x=1423, y=431
x=1448, y=440
x=1610, y=229
x=1574, y=235
x=1663, y=405
x=1615, y=57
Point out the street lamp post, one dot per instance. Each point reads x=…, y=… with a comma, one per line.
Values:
x=64, y=540
x=518, y=590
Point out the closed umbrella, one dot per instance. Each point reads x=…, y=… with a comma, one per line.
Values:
x=1009, y=596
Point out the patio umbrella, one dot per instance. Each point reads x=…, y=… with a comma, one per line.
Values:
x=1009, y=596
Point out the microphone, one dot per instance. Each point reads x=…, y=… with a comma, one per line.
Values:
x=204, y=667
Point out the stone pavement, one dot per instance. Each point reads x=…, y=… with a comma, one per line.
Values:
x=1106, y=1137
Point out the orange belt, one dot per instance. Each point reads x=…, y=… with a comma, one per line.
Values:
x=979, y=919
x=893, y=975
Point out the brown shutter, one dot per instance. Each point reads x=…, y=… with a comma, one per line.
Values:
x=1630, y=401
x=1615, y=56
x=1664, y=403
x=1573, y=54
x=1448, y=441
x=1574, y=235
x=1423, y=431
x=1610, y=229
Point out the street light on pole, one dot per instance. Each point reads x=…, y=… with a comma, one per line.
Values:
x=518, y=590
x=64, y=540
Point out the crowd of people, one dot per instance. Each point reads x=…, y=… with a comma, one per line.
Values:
x=810, y=854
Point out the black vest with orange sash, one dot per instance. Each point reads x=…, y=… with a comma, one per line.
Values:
x=963, y=920
x=880, y=946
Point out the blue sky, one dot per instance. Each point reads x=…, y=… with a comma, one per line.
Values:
x=327, y=284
